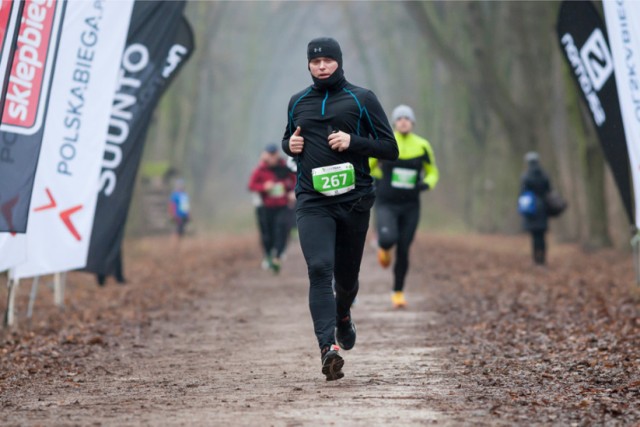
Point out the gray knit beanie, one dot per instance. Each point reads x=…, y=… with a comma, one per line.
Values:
x=403, y=111
x=532, y=157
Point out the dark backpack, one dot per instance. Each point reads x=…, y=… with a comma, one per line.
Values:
x=554, y=203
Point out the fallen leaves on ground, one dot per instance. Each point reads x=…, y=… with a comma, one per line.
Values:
x=557, y=344
x=55, y=343
x=517, y=344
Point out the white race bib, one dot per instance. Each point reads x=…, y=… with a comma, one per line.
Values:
x=277, y=190
x=404, y=178
x=334, y=180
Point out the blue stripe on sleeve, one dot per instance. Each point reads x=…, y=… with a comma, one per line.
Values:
x=359, y=107
x=375, y=134
x=293, y=108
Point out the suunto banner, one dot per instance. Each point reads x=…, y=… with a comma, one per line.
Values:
x=584, y=42
x=623, y=25
x=159, y=43
x=82, y=81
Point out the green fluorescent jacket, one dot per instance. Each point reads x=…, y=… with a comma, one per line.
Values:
x=416, y=163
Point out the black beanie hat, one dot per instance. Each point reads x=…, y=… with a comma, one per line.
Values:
x=324, y=47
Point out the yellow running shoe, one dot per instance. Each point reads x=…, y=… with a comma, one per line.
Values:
x=398, y=300
x=384, y=257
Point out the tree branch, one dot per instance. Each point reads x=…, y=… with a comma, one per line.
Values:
x=453, y=61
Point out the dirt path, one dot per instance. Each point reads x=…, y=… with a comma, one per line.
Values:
x=246, y=355
x=212, y=340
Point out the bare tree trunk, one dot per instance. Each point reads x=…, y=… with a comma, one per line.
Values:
x=598, y=233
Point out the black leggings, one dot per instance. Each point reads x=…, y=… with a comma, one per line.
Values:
x=539, y=246
x=332, y=238
x=397, y=224
x=274, y=229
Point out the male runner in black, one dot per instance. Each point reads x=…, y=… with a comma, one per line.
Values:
x=333, y=128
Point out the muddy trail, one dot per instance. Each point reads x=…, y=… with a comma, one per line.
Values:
x=201, y=336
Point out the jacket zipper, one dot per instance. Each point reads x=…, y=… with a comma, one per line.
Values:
x=324, y=101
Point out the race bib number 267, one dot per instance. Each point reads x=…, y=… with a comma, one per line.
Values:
x=334, y=180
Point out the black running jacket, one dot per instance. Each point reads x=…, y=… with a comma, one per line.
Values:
x=345, y=108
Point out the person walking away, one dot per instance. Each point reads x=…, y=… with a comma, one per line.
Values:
x=398, y=187
x=333, y=127
x=274, y=182
x=536, y=182
x=179, y=208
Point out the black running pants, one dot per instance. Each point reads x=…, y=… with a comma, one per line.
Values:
x=397, y=224
x=332, y=238
x=274, y=229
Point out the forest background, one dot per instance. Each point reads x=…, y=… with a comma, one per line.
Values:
x=487, y=81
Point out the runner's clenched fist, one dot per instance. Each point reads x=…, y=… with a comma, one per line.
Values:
x=339, y=141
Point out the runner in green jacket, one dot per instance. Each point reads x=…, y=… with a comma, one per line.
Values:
x=399, y=183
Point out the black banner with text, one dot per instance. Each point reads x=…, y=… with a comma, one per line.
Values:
x=160, y=41
x=583, y=40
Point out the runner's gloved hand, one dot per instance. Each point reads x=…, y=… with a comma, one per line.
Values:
x=424, y=186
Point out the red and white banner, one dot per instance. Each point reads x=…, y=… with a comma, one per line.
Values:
x=32, y=51
x=9, y=15
x=32, y=67
x=84, y=81
x=623, y=27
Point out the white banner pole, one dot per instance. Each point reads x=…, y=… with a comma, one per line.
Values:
x=635, y=244
x=637, y=263
x=9, y=317
x=63, y=287
x=32, y=296
x=58, y=296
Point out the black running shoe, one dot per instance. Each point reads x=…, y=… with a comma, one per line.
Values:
x=346, y=333
x=332, y=363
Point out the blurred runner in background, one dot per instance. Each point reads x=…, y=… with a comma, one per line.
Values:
x=179, y=208
x=274, y=182
x=398, y=186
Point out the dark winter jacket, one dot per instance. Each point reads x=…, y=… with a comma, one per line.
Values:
x=279, y=174
x=536, y=181
x=347, y=108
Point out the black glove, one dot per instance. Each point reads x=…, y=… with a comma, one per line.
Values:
x=424, y=186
